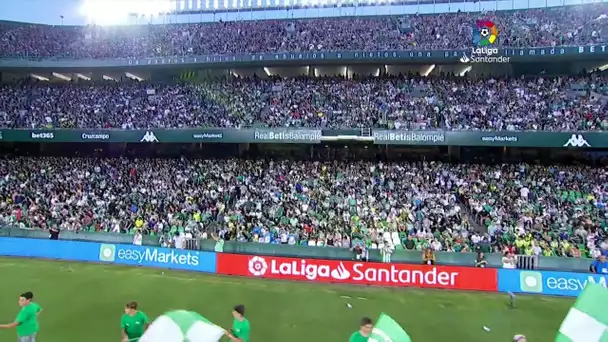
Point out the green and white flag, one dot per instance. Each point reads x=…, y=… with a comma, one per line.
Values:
x=182, y=326
x=587, y=320
x=387, y=330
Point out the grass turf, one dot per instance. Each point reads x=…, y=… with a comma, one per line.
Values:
x=84, y=302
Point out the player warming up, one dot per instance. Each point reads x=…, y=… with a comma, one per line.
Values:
x=27, y=319
x=240, y=325
x=133, y=323
x=365, y=329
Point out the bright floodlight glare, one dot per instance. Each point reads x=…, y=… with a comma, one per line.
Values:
x=152, y=7
x=116, y=12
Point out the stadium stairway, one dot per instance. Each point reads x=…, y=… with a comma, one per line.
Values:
x=473, y=220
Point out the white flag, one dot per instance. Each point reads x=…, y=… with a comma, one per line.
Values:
x=587, y=320
x=181, y=325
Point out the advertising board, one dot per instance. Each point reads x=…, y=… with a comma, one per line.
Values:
x=350, y=272
x=109, y=253
x=550, y=283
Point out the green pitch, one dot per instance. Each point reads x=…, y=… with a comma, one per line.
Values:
x=84, y=302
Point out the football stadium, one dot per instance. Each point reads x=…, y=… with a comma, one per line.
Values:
x=288, y=170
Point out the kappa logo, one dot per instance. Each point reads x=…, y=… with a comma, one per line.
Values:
x=577, y=141
x=257, y=266
x=149, y=137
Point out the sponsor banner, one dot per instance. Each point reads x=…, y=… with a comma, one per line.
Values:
x=258, y=135
x=532, y=54
x=311, y=136
x=398, y=137
x=547, y=282
x=101, y=136
x=41, y=135
x=109, y=253
x=499, y=138
x=288, y=135
x=350, y=272
x=208, y=135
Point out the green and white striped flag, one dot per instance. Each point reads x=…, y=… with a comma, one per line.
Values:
x=587, y=320
x=387, y=330
x=180, y=326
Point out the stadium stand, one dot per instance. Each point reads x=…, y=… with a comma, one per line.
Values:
x=313, y=203
x=556, y=26
x=509, y=104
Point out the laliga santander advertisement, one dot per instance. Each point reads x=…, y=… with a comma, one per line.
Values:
x=350, y=272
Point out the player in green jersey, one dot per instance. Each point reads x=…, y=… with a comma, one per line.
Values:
x=27, y=319
x=365, y=330
x=133, y=323
x=240, y=326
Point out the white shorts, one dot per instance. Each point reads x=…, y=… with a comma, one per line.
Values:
x=30, y=338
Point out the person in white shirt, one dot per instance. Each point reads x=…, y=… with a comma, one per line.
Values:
x=387, y=250
x=178, y=240
x=524, y=192
x=436, y=245
x=508, y=261
x=116, y=227
x=138, y=238
x=536, y=249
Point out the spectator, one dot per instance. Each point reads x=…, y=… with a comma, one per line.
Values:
x=361, y=252
x=481, y=260
x=509, y=261
x=54, y=233
x=600, y=265
x=409, y=243
x=138, y=238
x=179, y=240
x=387, y=250
x=219, y=244
x=428, y=256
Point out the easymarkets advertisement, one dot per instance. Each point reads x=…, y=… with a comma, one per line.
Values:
x=109, y=253
x=351, y=272
x=549, y=283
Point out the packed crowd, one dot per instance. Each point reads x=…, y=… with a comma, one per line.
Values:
x=569, y=25
x=387, y=102
x=549, y=210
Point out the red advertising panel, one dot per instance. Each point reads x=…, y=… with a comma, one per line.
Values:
x=363, y=273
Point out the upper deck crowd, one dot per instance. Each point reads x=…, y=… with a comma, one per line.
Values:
x=569, y=25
